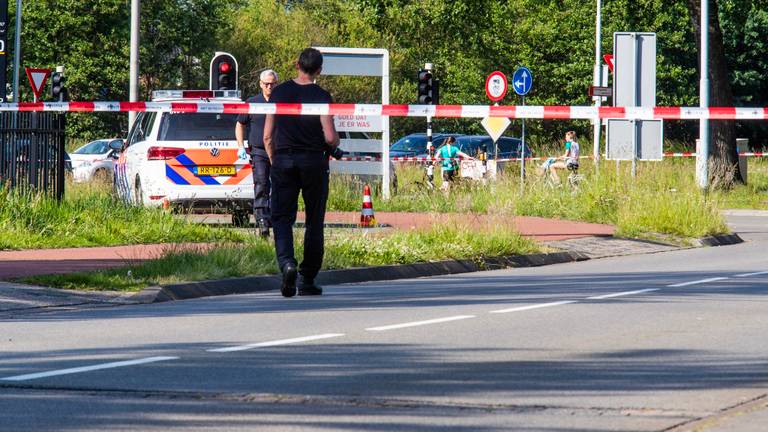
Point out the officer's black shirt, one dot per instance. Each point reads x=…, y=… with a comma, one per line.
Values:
x=255, y=123
x=296, y=132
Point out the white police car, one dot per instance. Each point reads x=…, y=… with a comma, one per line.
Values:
x=186, y=160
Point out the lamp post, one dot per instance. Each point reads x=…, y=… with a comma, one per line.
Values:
x=702, y=149
x=134, y=67
x=596, y=81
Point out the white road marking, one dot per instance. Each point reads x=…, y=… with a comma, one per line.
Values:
x=751, y=274
x=277, y=342
x=621, y=294
x=697, y=282
x=420, y=323
x=87, y=368
x=535, y=306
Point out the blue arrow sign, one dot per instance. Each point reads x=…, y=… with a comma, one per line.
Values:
x=522, y=81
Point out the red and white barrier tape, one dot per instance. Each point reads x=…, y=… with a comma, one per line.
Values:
x=456, y=111
x=427, y=159
x=689, y=154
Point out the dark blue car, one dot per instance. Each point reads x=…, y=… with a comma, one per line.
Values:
x=415, y=145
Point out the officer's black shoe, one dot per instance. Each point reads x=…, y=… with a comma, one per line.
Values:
x=308, y=288
x=263, y=227
x=288, y=289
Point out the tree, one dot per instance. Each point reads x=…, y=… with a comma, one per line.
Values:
x=724, y=159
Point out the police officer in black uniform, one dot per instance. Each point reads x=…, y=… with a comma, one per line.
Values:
x=298, y=147
x=254, y=123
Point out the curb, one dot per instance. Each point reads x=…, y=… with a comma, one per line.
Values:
x=254, y=284
x=718, y=240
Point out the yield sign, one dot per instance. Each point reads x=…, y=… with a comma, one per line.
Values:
x=37, y=79
x=495, y=126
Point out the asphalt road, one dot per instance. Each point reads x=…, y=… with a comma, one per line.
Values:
x=647, y=342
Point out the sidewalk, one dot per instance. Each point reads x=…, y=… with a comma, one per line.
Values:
x=16, y=264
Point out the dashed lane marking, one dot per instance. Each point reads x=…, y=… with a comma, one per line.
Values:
x=420, y=323
x=621, y=294
x=535, y=306
x=696, y=282
x=277, y=342
x=751, y=274
x=88, y=368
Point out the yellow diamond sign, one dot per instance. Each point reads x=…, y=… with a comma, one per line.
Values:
x=495, y=126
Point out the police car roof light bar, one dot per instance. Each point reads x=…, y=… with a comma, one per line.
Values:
x=195, y=94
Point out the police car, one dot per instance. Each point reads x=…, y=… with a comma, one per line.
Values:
x=186, y=160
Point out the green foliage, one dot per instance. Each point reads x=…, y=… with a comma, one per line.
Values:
x=88, y=217
x=91, y=38
x=464, y=39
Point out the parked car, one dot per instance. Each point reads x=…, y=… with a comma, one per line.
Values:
x=415, y=145
x=95, y=159
x=509, y=148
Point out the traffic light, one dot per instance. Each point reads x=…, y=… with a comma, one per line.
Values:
x=223, y=72
x=428, y=88
x=58, y=91
x=425, y=87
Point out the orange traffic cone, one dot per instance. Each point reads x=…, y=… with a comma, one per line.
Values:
x=367, y=220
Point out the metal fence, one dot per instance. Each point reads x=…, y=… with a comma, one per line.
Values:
x=32, y=155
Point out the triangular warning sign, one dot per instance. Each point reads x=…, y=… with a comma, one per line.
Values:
x=37, y=79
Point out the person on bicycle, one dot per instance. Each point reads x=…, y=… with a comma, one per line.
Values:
x=569, y=160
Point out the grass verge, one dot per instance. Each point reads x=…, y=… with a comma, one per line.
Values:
x=343, y=250
x=662, y=199
x=90, y=216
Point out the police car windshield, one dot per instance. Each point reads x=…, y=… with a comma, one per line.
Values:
x=197, y=127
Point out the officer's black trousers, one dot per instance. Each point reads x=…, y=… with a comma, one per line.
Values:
x=291, y=173
x=261, y=184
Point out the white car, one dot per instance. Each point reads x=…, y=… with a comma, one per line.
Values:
x=95, y=159
x=186, y=160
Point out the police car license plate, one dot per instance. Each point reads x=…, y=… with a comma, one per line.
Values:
x=216, y=170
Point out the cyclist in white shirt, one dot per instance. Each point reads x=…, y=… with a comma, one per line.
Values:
x=569, y=160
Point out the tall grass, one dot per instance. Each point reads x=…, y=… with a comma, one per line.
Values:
x=662, y=199
x=90, y=216
x=344, y=249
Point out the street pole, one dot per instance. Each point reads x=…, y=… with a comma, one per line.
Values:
x=17, y=53
x=597, y=81
x=702, y=150
x=134, y=67
x=522, y=156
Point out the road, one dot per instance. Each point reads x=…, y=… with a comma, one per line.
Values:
x=666, y=341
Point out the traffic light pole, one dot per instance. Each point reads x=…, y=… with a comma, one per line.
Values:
x=430, y=153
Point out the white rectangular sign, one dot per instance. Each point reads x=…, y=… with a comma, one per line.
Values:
x=358, y=123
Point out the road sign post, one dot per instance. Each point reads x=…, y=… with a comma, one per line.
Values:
x=522, y=81
x=3, y=49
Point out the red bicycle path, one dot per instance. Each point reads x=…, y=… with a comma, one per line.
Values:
x=17, y=264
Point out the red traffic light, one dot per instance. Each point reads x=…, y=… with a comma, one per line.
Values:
x=224, y=67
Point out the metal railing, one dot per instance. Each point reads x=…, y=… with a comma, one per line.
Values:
x=32, y=155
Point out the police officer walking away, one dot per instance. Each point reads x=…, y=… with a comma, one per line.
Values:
x=298, y=147
x=254, y=123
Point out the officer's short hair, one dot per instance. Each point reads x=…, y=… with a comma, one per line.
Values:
x=310, y=61
x=265, y=73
